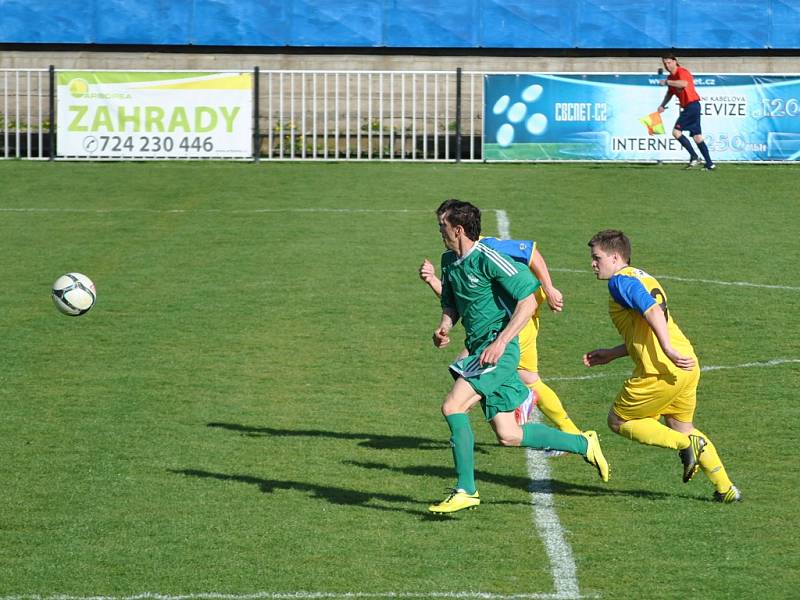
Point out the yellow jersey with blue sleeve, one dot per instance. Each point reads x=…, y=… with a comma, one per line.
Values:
x=633, y=293
x=521, y=251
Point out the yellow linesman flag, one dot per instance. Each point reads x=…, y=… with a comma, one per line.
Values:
x=654, y=124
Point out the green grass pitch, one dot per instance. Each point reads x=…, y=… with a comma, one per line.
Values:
x=252, y=407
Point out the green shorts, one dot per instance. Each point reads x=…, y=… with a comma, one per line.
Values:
x=499, y=386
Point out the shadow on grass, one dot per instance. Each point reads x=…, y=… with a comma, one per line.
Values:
x=542, y=486
x=338, y=495
x=334, y=495
x=368, y=440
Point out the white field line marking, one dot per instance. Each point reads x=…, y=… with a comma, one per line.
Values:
x=775, y=362
x=698, y=280
x=545, y=518
x=299, y=596
x=768, y=363
x=503, y=225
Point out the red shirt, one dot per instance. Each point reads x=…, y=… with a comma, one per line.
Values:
x=685, y=95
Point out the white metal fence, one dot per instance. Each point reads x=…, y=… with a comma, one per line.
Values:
x=24, y=113
x=305, y=115
x=369, y=115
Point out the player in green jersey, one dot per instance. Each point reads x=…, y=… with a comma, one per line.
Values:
x=525, y=252
x=494, y=299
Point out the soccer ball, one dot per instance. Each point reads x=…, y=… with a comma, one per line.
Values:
x=74, y=294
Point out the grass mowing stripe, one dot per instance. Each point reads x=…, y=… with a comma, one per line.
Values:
x=503, y=228
x=213, y=210
x=309, y=596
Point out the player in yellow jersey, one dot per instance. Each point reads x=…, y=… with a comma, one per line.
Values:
x=666, y=371
x=525, y=251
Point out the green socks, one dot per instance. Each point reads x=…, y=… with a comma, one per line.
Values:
x=536, y=435
x=462, y=441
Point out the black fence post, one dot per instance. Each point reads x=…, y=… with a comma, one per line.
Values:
x=256, y=125
x=52, y=124
x=458, y=115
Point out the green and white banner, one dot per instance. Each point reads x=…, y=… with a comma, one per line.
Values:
x=138, y=114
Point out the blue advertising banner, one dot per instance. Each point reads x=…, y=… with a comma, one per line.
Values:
x=599, y=117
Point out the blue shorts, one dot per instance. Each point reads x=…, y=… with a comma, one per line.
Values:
x=689, y=119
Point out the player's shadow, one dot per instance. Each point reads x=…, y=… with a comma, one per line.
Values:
x=543, y=486
x=367, y=440
x=334, y=495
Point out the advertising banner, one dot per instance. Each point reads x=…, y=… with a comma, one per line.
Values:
x=137, y=114
x=610, y=117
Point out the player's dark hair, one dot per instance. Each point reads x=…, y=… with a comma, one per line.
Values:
x=612, y=240
x=458, y=212
x=671, y=57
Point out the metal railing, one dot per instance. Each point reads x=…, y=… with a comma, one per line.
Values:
x=367, y=115
x=303, y=115
x=25, y=113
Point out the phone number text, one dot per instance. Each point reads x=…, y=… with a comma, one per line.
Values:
x=146, y=144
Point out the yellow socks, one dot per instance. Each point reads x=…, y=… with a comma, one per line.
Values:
x=551, y=406
x=653, y=433
x=712, y=466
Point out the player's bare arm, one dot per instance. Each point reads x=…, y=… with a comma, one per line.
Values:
x=602, y=356
x=441, y=336
x=663, y=104
x=427, y=272
x=538, y=266
x=676, y=83
x=520, y=317
x=658, y=323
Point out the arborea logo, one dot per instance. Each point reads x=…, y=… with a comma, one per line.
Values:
x=78, y=88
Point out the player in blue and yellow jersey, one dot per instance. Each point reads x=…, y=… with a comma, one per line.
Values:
x=493, y=297
x=666, y=371
x=526, y=252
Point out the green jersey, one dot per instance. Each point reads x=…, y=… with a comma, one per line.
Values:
x=483, y=287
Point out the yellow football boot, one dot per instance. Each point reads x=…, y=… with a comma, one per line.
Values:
x=455, y=501
x=594, y=455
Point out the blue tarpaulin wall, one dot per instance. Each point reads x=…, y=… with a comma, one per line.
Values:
x=596, y=24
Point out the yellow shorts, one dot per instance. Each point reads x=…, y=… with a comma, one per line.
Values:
x=528, y=356
x=652, y=396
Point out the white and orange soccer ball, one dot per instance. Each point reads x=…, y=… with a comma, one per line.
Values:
x=74, y=294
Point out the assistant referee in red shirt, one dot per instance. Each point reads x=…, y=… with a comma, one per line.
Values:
x=680, y=83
